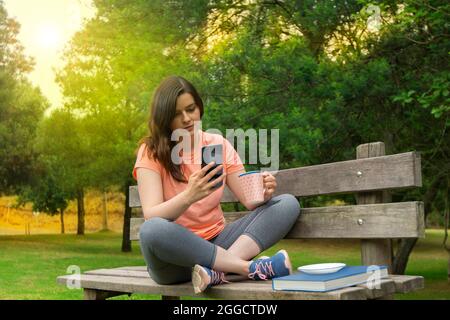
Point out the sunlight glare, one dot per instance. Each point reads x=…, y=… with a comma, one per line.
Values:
x=48, y=36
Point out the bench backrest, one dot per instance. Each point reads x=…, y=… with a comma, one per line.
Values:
x=370, y=177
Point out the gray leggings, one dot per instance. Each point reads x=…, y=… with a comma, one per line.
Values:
x=170, y=250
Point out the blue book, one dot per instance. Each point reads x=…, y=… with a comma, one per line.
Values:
x=346, y=277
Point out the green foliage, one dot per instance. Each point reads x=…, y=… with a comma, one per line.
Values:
x=12, y=59
x=61, y=167
x=46, y=196
x=64, y=149
x=21, y=108
x=437, y=97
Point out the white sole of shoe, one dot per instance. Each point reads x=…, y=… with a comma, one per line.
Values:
x=287, y=261
x=200, y=279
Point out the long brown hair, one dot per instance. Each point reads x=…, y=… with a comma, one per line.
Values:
x=163, y=110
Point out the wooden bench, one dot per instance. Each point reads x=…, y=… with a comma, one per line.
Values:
x=374, y=220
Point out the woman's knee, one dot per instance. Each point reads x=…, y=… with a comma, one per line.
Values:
x=153, y=230
x=290, y=205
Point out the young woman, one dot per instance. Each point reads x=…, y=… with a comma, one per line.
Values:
x=185, y=236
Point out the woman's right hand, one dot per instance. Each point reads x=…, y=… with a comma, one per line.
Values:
x=198, y=185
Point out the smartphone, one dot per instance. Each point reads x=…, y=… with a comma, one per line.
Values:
x=211, y=153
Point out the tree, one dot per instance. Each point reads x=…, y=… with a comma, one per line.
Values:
x=47, y=194
x=12, y=58
x=21, y=108
x=65, y=160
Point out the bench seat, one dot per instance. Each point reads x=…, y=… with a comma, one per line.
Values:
x=105, y=283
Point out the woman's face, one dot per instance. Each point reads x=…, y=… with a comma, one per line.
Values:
x=186, y=114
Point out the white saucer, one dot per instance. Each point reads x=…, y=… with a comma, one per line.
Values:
x=321, y=268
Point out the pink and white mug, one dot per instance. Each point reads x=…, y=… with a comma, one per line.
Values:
x=252, y=186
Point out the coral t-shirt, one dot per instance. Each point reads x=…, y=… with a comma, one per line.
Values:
x=204, y=217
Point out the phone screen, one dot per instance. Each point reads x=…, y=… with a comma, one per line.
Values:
x=211, y=153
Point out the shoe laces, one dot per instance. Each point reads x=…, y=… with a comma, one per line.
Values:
x=217, y=277
x=263, y=270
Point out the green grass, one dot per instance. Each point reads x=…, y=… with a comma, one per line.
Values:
x=29, y=265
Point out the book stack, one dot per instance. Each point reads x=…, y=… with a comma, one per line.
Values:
x=346, y=277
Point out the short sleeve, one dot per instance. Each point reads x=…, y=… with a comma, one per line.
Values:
x=143, y=161
x=233, y=162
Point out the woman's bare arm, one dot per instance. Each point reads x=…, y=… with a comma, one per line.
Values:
x=151, y=196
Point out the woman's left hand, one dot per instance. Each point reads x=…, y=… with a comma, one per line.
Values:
x=270, y=185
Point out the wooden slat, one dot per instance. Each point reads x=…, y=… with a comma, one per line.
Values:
x=403, y=283
x=385, y=287
x=406, y=283
x=119, y=273
x=246, y=290
x=379, y=173
x=386, y=220
x=89, y=294
x=135, y=224
x=133, y=268
x=418, y=169
x=141, y=272
x=134, y=201
x=393, y=284
x=112, y=282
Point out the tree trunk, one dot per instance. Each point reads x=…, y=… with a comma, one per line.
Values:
x=81, y=213
x=406, y=246
x=448, y=267
x=401, y=257
x=446, y=224
x=126, y=242
x=105, y=211
x=62, y=221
